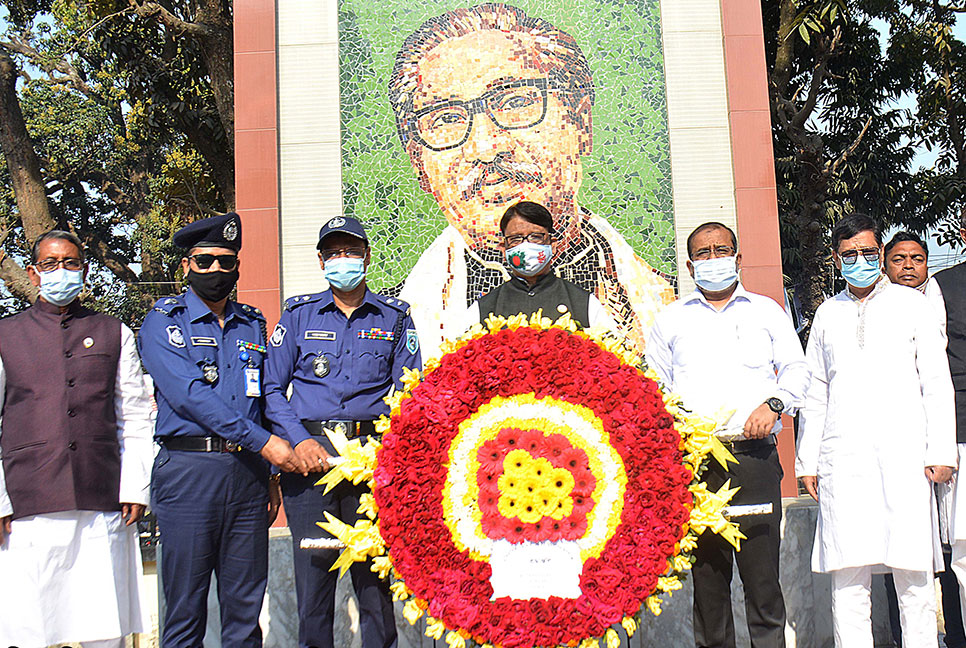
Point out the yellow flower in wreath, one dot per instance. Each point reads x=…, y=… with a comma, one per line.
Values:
x=531, y=489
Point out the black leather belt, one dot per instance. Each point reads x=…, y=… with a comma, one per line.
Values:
x=747, y=445
x=199, y=444
x=351, y=429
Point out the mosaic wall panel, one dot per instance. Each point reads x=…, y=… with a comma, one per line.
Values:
x=451, y=112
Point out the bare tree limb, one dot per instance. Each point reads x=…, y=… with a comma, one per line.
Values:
x=818, y=78
x=155, y=11
x=23, y=165
x=831, y=168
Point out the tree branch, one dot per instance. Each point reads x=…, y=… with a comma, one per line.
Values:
x=155, y=11
x=68, y=73
x=99, y=249
x=818, y=78
x=831, y=168
x=23, y=165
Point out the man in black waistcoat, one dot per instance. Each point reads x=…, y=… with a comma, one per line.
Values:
x=76, y=448
x=528, y=250
x=947, y=291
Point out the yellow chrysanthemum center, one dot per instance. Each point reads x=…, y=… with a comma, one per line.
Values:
x=531, y=489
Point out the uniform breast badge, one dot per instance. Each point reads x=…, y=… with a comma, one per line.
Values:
x=209, y=372
x=320, y=366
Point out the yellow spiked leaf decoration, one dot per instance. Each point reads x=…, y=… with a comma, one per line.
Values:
x=706, y=513
x=361, y=540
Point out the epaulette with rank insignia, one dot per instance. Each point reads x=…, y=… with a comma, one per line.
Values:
x=392, y=302
x=301, y=300
x=251, y=311
x=169, y=305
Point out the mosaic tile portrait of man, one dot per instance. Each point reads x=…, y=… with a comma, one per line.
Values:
x=493, y=106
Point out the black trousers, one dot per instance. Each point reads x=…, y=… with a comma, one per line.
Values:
x=305, y=504
x=759, y=474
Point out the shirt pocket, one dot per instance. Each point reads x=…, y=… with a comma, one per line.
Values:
x=754, y=346
x=373, y=362
x=316, y=349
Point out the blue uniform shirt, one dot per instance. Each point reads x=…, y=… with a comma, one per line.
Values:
x=178, y=339
x=359, y=358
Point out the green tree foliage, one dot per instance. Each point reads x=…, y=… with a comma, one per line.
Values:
x=116, y=122
x=842, y=78
x=922, y=34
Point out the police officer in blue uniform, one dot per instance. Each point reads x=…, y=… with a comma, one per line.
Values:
x=210, y=486
x=341, y=351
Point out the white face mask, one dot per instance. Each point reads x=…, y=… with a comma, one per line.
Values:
x=717, y=274
x=528, y=259
x=61, y=286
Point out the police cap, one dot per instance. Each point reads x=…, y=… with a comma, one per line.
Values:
x=222, y=231
x=342, y=225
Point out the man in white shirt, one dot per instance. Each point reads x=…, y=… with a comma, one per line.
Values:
x=724, y=348
x=877, y=430
x=907, y=264
x=76, y=448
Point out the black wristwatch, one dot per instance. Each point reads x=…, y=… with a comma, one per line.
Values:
x=775, y=405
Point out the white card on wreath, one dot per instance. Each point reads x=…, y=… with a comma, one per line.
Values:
x=535, y=569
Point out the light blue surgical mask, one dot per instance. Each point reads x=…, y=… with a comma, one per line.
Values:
x=528, y=259
x=862, y=273
x=61, y=286
x=717, y=274
x=344, y=273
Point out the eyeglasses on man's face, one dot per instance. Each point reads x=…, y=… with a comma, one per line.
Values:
x=511, y=106
x=849, y=257
x=205, y=261
x=705, y=253
x=50, y=264
x=539, y=238
x=348, y=252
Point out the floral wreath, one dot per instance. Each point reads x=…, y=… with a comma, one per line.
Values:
x=533, y=487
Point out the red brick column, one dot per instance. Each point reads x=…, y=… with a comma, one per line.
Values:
x=756, y=198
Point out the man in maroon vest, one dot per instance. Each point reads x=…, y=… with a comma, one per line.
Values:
x=75, y=441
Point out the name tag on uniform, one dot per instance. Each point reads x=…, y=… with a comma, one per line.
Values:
x=197, y=340
x=320, y=335
x=253, y=383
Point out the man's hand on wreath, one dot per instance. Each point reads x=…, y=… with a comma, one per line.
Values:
x=279, y=453
x=313, y=456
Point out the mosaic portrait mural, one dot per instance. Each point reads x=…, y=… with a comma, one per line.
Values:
x=451, y=112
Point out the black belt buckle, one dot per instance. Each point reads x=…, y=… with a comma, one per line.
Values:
x=351, y=429
x=200, y=444
x=217, y=444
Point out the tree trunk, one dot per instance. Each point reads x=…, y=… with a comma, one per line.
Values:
x=29, y=188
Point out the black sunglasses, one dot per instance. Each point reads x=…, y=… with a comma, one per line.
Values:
x=225, y=261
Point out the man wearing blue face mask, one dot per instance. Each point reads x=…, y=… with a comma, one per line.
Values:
x=527, y=245
x=724, y=348
x=878, y=428
x=340, y=351
x=76, y=449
